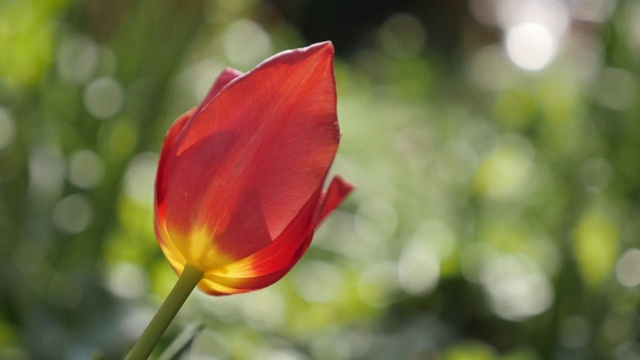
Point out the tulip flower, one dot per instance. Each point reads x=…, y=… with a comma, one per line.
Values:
x=239, y=188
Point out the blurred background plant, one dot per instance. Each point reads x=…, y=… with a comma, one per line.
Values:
x=495, y=144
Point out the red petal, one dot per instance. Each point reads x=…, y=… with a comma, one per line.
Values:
x=225, y=77
x=262, y=146
x=338, y=190
x=269, y=264
x=168, y=149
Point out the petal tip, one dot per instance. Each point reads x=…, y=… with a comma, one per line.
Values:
x=324, y=45
x=324, y=48
x=345, y=186
x=338, y=190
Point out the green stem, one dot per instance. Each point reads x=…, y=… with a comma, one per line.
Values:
x=168, y=310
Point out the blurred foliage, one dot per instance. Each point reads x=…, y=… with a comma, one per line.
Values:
x=496, y=214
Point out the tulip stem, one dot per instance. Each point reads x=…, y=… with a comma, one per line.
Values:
x=186, y=283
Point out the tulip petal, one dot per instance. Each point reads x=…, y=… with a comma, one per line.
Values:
x=161, y=177
x=225, y=77
x=271, y=132
x=338, y=190
x=271, y=263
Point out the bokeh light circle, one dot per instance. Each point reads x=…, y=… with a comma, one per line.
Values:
x=531, y=46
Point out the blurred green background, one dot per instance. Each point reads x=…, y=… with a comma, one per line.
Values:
x=495, y=145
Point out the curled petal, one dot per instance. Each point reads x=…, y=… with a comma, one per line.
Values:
x=338, y=190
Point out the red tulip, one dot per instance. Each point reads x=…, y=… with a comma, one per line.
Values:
x=239, y=189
